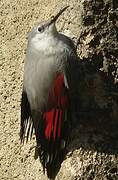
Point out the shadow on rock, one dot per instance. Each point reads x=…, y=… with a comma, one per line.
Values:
x=96, y=131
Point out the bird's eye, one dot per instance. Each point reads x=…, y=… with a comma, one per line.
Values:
x=40, y=29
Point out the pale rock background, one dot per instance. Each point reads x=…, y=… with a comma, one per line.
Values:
x=93, y=151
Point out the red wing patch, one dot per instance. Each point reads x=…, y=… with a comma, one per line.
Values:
x=54, y=117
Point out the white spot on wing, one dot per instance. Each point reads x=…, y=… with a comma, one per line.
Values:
x=65, y=81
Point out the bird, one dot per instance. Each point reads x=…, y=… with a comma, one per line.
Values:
x=49, y=92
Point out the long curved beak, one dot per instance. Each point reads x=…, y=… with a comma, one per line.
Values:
x=54, y=18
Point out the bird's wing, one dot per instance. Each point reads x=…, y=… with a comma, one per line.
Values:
x=73, y=69
x=72, y=73
x=26, y=127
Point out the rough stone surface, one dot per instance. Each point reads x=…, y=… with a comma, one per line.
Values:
x=93, y=151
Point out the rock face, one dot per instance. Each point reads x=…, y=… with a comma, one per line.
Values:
x=100, y=35
x=94, y=144
x=97, y=47
x=93, y=150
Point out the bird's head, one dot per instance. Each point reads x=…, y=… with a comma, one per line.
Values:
x=46, y=29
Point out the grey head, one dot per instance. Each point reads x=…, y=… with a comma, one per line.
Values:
x=43, y=30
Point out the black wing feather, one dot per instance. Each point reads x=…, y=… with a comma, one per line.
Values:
x=26, y=118
x=73, y=73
